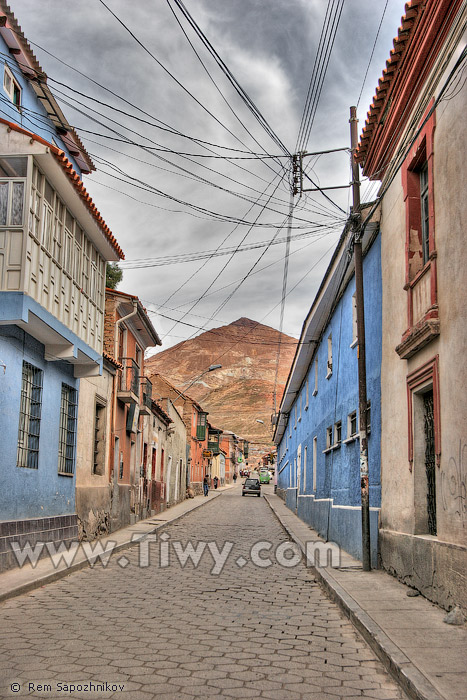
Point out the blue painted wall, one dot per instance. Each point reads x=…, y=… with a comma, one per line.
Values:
x=31, y=493
x=333, y=509
x=32, y=116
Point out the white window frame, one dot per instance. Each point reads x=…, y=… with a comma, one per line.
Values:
x=11, y=86
x=351, y=436
x=329, y=362
x=315, y=460
x=354, y=342
x=315, y=390
x=337, y=433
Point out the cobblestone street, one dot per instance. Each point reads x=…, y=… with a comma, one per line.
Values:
x=178, y=633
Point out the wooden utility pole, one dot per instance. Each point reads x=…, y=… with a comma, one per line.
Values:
x=362, y=399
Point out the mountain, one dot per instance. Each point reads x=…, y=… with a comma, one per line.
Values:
x=240, y=392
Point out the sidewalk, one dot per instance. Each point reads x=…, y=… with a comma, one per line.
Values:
x=426, y=656
x=21, y=580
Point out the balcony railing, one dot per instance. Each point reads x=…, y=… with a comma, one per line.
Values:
x=128, y=385
x=146, y=395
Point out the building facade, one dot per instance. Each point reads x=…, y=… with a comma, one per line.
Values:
x=54, y=246
x=196, y=430
x=93, y=475
x=128, y=333
x=318, y=455
x=414, y=141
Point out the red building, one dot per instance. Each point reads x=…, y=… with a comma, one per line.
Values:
x=128, y=331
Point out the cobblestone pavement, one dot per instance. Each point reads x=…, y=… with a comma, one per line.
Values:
x=179, y=633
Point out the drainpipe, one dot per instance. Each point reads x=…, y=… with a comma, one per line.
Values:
x=114, y=402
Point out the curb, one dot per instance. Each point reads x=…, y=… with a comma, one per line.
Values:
x=404, y=671
x=58, y=574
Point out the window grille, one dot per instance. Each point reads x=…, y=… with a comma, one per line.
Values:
x=99, y=446
x=29, y=417
x=67, y=438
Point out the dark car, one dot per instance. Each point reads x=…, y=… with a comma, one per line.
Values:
x=251, y=487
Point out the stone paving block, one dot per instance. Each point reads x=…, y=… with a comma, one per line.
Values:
x=182, y=633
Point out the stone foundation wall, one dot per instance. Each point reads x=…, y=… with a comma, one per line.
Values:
x=93, y=507
x=61, y=528
x=437, y=569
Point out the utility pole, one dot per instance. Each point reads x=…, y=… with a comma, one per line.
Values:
x=356, y=219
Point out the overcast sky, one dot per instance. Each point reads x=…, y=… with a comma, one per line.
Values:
x=270, y=46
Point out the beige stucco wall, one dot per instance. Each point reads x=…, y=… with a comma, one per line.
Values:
x=93, y=493
x=397, y=512
x=435, y=565
x=176, y=448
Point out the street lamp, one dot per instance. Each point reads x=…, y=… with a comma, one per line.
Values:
x=258, y=420
x=209, y=369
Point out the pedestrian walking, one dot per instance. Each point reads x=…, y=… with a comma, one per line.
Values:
x=216, y=482
x=206, y=485
x=235, y=477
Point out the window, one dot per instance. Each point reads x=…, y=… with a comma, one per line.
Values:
x=329, y=365
x=354, y=321
x=98, y=466
x=315, y=459
x=424, y=212
x=338, y=432
x=12, y=190
x=29, y=417
x=420, y=244
x=201, y=426
x=67, y=437
x=305, y=457
x=329, y=437
x=352, y=425
x=11, y=87
x=315, y=390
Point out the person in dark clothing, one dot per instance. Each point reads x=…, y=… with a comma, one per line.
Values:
x=235, y=477
x=206, y=485
x=216, y=482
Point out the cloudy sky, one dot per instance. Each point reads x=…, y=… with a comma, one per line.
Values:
x=184, y=167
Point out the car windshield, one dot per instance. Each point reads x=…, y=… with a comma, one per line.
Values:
x=251, y=482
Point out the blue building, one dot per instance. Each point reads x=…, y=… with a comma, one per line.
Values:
x=53, y=251
x=317, y=427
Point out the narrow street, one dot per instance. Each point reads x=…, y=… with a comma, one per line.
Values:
x=172, y=633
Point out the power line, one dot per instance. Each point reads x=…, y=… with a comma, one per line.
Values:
x=166, y=70
x=372, y=52
x=244, y=96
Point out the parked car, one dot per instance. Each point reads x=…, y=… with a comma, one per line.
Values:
x=251, y=487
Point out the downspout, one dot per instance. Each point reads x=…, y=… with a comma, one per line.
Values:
x=114, y=402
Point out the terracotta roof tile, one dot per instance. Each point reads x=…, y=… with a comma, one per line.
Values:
x=400, y=44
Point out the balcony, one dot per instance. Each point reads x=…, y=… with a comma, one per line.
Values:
x=128, y=383
x=146, y=397
x=213, y=442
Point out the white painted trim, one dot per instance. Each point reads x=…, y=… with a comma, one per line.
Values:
x=333, y=505
x=281, y=470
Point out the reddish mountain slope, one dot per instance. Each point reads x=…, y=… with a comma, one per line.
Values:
x=242, y=390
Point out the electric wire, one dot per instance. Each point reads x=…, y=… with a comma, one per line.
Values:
x=372, y=52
